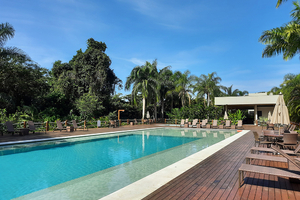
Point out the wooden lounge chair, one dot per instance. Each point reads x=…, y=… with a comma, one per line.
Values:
x=260, y=140
x=289, y=140
x=78, y=127
x=59, y=126
x=264, y=170
x=203, y=123
x=249, y=157
x=215, y=124
x=240, y=124
x=194, y=124
x=135, y=122
x=270, y=170
x=11, y=129
x=33, y=128
x=269, y=150
x=113, y=123
x=182, y=123
x=228, y=124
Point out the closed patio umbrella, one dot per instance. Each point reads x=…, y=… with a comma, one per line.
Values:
x=280, y=113
x=148, y=115
x=269, y=116
x=225, y=115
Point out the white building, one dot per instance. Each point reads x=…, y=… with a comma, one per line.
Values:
x=259, y=103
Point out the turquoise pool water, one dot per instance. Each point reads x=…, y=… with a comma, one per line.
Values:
x=51, y=167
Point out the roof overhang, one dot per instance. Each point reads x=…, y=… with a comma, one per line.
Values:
x=247, y=101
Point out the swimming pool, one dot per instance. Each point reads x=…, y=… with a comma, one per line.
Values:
x=92, y=167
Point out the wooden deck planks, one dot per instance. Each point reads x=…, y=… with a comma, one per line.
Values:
x=216, y=178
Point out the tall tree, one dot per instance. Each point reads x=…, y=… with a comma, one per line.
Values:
x=164, y=85
x=22, y=80
x=88, y=71
x=183, y=85
x=207, y=85
x=284, y=39
x=143, y=79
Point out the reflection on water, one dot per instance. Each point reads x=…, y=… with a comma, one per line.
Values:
x=100, y=166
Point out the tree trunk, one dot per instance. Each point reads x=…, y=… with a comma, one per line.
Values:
x=155, y=110
x=162, y=109
x=208, y=99
x=144, y=107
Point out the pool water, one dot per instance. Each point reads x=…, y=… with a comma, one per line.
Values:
x=50, y=170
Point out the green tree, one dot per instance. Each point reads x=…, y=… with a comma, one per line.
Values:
x=165, y=85
x=88, y=71
x=207, y=85
x=284, y=39
x=229, y=92
x=87, y=104
x=22, y=81
x=143, y=80
x=183, y=84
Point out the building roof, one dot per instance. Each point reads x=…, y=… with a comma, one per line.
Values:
x=251, y=99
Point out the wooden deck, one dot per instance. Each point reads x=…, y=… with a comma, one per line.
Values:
x=217, y=178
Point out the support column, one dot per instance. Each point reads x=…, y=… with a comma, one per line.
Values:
x=255, y=115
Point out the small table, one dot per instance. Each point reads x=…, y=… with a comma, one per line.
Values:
x=275, y=136
x=25, y=131
x=221, y=126
x=70, y=128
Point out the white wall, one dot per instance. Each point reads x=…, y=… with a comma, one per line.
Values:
x=265, y=110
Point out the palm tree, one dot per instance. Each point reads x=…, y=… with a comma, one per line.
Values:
x=228, y=91
x=6, y=32
x=165, y=85
x=285, y=39
x=279, y=2
x=183, y=84
x=207, y=85
x=7, y=53
x=143, y=79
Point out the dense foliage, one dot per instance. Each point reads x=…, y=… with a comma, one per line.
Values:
x=284, y=39
x=84, y=88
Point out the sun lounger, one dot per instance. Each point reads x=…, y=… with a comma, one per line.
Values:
x=262, y=149
x=113, y=123
x=269, y=150
x=215, y=124
x=33, y=128
x=240, y=124
x=228, y=124
x=264, y=170
x=270, y=170
x=59, y=126
x=203, y=123
x=78, y=127
x=249, y=157
x=194, y=124
x=182, y=123
x=11, y=129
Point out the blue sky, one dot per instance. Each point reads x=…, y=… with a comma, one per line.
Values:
x=201, y=36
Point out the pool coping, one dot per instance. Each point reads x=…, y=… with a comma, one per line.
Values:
x=152, y=182
x=68, y=137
